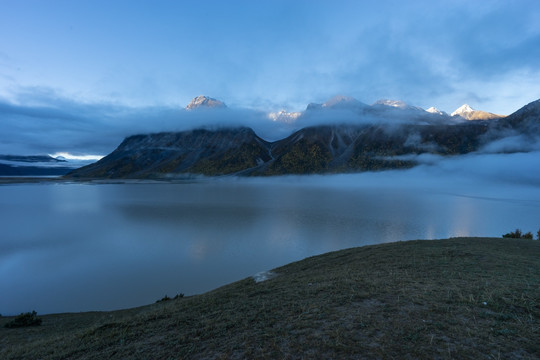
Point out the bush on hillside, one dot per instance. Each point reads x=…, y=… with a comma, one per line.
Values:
x=515, y=235
x=519, y=235
x=167, y=298
x=24, y=319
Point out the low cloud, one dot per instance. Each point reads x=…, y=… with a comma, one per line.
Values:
x=39, y=121
x=492, y=176
x=511, y=144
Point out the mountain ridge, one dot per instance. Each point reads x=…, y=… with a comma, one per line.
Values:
x=310, y=150
x=344, y=102
x=332, y=147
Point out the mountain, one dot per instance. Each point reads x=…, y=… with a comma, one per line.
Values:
x=398, y=104
x=284, y=116
x=323, y=149
x=466, y=112
x=346, y=148
x=335, y=148
x=397, y=111
x=31, y=159
x=524, y=122
x=317, y=149
x=204, y=102
x=33, y=165
x=343, y=102
x=385, y=110
x=340, y=102
x=394, y=103
x=201, y=151
x=463, y=110
x=434, y=110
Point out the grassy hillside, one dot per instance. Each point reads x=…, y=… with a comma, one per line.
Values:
x=467, y=298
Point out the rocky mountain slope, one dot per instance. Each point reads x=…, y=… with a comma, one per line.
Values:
x=208, y=152
x=318, y=149
x=526, y=120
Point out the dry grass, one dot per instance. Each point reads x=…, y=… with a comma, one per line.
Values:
x=461, y=298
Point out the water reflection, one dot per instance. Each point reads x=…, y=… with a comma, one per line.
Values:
x=85, y=247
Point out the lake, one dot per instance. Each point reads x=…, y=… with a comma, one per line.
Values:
x=69, y=247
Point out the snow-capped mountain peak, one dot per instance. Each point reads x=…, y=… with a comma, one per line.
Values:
x=284, y=116
x=434, y=110
x=342, y=101
x=205, y=102
x=468, y=113
x=394, y=103
x=463, y=109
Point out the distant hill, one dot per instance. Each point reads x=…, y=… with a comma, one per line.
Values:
x=33, y=165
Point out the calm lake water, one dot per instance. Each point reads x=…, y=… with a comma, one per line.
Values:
x=80, y=247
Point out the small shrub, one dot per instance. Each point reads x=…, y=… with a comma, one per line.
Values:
x=538, y=235
x=24, y=319
x=516, y=234
x=519, y=235
x=165, y=298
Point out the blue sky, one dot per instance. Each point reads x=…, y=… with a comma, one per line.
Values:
x=265, y=54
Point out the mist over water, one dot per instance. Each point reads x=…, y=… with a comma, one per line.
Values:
x=80, y=247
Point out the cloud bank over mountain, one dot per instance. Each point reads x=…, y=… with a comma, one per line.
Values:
x=41, y=121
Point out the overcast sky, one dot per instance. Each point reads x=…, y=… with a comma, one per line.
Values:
x=105, y=56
